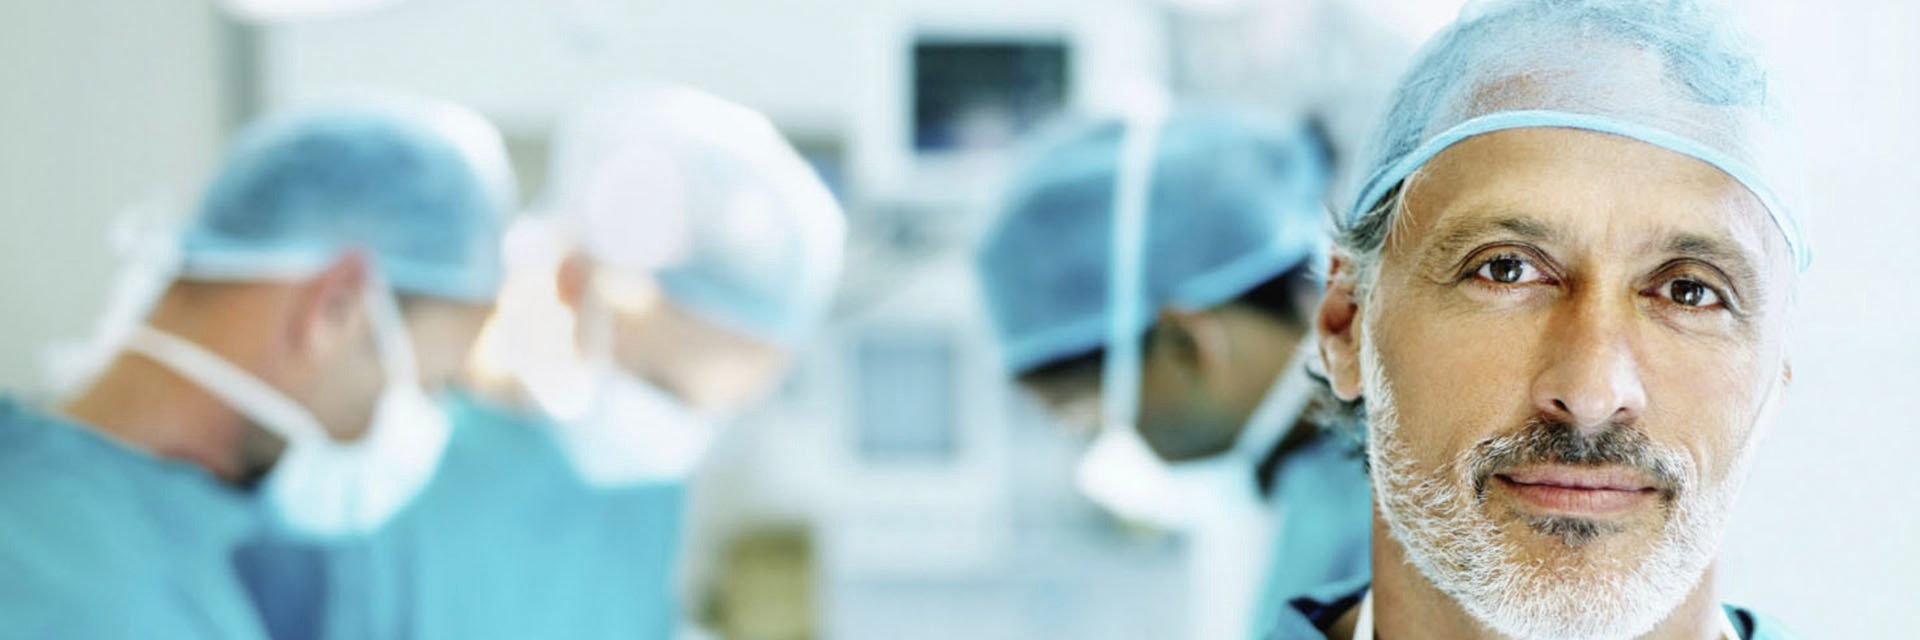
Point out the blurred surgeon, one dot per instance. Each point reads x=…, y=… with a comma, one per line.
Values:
x=1160, y=266
x=336, y=271
x=682, y=253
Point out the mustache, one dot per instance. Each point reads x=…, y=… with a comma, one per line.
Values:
x=1546, y=441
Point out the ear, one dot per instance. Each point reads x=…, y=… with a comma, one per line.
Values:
x=1786, y=372
x=327, y=307
x=1196, y=340
x=1337, y=324
x=571, y=280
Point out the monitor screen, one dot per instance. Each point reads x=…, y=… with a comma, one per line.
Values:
x=984, y=94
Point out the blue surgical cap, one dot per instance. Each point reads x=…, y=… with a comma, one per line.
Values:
x=1665, y=72
x=706, y=197
x=422, y=187
x=1234, y=201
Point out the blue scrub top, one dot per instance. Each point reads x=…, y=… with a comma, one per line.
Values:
x=1324, y=534
x=100, y=540
x=506, y=541
x=1309, y=616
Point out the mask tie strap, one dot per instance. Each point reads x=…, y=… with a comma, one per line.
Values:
x=245, y=393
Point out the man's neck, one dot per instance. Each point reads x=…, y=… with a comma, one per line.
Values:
x=1407, y=605
x=142, y=403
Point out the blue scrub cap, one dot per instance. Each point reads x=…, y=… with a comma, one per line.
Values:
x=1665, y=72
x=705, y=196
x=1233, y=201
x=423, y=187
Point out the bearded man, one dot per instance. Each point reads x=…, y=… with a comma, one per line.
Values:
x=1559, y=304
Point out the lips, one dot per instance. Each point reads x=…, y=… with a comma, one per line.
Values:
x=1579, y=491
x=1594, y=478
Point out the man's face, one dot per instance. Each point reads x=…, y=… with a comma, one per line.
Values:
x=1572, y=343
x=1187, y=410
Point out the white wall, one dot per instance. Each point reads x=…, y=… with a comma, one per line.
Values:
x=1827, y=535
x=520, y=61
x=105, y=102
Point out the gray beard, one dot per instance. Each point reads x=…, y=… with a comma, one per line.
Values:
x=1439, y=519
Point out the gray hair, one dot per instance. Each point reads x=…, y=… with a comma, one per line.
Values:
x=1359, y=241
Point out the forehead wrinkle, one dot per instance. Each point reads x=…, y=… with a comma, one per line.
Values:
x=1455, y=233
x=1709, y=249
x=1472, y=201
x=1461, y=201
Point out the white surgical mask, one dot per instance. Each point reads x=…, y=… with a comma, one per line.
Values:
x=1120, y=473
x=320, y=486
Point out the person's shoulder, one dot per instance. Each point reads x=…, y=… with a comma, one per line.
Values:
x=41, y=452
x=56, y=543
x=24, y=428
x=1757, y=626
x=48, y=591
x=61, y=484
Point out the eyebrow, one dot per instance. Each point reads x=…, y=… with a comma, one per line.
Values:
x=1451, y=239
x=1694, y=245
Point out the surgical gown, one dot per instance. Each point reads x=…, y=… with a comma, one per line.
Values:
x=101, y=540
x=507, y=541
x=1324, y=505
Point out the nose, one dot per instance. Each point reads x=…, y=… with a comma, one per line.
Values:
x=1591, y=378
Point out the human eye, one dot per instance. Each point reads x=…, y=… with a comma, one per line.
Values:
x=1507, y=268
x=1690, y=293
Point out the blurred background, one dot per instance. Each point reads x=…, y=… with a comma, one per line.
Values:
x=899, y=487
